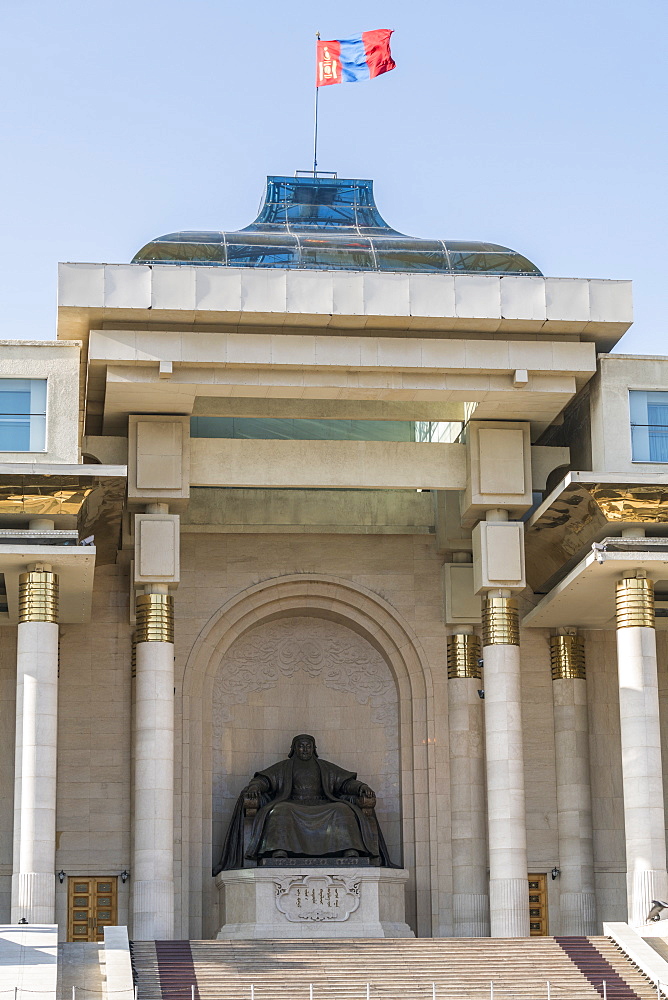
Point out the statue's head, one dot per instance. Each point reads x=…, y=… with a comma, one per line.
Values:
x=303, y=746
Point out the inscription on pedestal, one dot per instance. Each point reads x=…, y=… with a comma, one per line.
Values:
x=317, y=897
x=313, y=863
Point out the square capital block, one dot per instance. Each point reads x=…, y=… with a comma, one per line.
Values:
x=158, y=458
x=157, y=555
x=498, y=468
x=498, y=556
x=462, y=604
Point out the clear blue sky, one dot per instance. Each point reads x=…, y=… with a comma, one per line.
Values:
x=538, y=124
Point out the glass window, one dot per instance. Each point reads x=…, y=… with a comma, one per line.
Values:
x=649, y=426
x=304, y=429
x=22, y=414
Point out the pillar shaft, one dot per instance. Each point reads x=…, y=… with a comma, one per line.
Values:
x=508, y=888
x=641, y=748
x=574, y=815
x=33, y=875
x=153, y=861
x=467, y=789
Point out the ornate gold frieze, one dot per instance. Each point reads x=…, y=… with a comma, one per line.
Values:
x=155, y=618
x=635, y=603
x=91, y=501
x=567, y=657
x=38, y=596
x=463, y=655
x=647, y=504
x=500, y=622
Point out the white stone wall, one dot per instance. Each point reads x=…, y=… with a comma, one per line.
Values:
x=406, y=746
x=58, y=363
x=610, y=414
x=606, y=775
x=94, y=742
x=539, y=765
x=402, y=570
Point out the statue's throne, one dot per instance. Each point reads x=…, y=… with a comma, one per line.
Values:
x=250, y=809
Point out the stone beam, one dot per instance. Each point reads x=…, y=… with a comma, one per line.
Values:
x=327, y=464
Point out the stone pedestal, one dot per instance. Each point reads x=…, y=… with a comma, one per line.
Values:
x=312, y=903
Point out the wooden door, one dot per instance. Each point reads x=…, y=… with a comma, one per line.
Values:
x=538, y=905
x=92, y=905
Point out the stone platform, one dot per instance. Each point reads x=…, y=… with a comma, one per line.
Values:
x=313, y=903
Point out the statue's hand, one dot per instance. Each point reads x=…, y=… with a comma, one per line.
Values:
x=251, y=800
x=367, y=793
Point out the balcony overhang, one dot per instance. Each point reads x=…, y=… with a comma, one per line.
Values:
x=585, y=598
x=585, y=508
x=86, y=497
x=75, y=567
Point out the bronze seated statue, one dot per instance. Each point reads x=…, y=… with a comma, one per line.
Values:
x=303, y=807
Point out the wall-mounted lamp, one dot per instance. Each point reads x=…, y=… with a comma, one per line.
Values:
x=61, y=876
x=481, y=693
x=555, y=873
x=125, y=875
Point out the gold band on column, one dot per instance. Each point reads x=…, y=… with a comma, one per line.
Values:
x=635, y=603
x=500, y=622
x=463, y=655
x=155, y=618
x=38, y=596
x=567, y=657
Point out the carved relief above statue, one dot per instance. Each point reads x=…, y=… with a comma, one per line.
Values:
x=304, y=808
x=319, y=648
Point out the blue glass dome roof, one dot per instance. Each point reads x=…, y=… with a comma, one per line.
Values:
x=329, y=223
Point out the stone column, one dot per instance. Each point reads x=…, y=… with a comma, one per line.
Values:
x=153, y=859
x=33, y=877
x=508, y=887
x=644, y=821
x=467, y=786
x=574, y=818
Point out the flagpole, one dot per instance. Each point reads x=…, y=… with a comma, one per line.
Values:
x=315, y=124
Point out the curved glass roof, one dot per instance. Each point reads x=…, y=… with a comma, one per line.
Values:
x=329, y=223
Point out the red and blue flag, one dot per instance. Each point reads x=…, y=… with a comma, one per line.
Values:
x=348, y=60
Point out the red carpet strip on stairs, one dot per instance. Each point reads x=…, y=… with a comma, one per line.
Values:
x=176, y=970
x=596, y=968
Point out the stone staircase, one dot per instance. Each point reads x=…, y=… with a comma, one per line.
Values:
x=79, y=966
x=394, y=969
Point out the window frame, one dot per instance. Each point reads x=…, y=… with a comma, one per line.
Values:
x=45, y=414
x=632, y=424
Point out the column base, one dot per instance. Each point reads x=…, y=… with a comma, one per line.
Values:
x=578, y=914
x=470, y=913
x=34, y=897
x=642, y=887
x=153, y=910
x=509, y=907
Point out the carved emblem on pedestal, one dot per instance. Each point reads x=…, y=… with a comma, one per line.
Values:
x=317, y=897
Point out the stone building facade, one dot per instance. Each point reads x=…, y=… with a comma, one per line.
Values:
x=415, y=508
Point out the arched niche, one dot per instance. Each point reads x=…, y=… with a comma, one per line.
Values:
x=306, y=674
x=374, y=620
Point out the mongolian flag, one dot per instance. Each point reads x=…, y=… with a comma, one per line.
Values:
x=347, y=60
